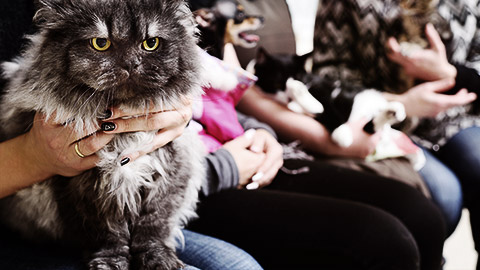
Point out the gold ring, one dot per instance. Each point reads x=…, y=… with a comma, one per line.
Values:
x=78, y=151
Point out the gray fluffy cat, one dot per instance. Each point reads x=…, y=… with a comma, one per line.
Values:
x=87, y=56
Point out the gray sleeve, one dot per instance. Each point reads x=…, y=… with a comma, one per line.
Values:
x=248, y=122
x=222, y=172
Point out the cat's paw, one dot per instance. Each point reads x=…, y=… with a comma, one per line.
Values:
x=343, y=136
x=158, y=259
x=109, y=263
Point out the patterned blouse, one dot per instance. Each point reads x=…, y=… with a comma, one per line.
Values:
x=350, y=37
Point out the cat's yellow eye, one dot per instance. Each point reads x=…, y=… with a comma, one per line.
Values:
x=151, y=44
x=100, y=44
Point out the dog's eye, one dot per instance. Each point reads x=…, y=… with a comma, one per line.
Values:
x=240, y=17
x=100, y=44
x=151, y=44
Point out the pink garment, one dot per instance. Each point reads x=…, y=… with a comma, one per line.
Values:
x=219, y=117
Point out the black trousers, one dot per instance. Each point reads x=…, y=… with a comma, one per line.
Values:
x=329, y=218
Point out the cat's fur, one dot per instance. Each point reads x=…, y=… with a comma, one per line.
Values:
x=125, y=216
x=349, y=57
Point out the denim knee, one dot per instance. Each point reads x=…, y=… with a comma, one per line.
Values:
x=445, y=189
x=208, y=253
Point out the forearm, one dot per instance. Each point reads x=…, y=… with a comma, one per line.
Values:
x=17, y=171
x=288, y=125
x=222, y=172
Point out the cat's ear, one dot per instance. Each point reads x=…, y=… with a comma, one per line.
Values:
x=261, y=56
x=301, y=59
x=50, y=10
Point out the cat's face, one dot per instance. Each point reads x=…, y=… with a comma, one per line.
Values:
x=118, y=50
x=273, y=70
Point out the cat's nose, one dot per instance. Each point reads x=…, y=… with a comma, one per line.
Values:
x=131, y=65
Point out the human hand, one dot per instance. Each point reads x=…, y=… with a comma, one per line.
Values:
x=169, y=125
x=248, y=162
x=427, y=100
x=55, y=149
x=50, y=148
x=264, y=142
x=427, y=64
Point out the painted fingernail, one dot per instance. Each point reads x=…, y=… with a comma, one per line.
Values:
x=106, y=114
x=257, y=177
x=124, y=161
x=108, y=126
x=249, y=133
x=251, y=186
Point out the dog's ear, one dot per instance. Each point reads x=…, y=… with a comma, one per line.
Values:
x=204, y=17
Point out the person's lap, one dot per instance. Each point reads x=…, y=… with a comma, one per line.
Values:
x=202, y=251
x=462, y=155
x=289, y=230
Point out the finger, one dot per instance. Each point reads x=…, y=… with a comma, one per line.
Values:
x=154, y=121
x=462, y=97
x=269, y=174
x=163, y=137
x=439, y=86
x=258, y=143
x=394, y=53
x=246, y=139
x=90, y=145
x=434, y=38
x=88, y=162
x=114, y=113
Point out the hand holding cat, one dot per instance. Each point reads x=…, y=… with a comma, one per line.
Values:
x=169, y=123
x=427, y=100
x=426, y=64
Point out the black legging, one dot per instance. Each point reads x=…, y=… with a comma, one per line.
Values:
x=329, y=218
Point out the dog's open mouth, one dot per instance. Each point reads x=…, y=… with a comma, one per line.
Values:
x=249, y=38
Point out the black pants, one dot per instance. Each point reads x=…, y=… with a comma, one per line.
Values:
x=329, y=218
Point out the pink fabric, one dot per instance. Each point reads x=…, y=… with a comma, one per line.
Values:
x=219, y=117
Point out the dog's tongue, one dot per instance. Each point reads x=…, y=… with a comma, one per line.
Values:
x=249, y=37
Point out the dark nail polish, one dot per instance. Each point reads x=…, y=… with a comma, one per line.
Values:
x=108, y=126
x=106, y=114
x=124, y=161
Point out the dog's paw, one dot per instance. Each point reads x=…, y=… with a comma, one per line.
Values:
x=158, y=259
x=392, y=114
x=343, y=136
x=109, y=263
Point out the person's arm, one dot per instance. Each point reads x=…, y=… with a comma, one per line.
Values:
x=292, y=126
x=431, y=64
x=221, y=172
x=49, y=149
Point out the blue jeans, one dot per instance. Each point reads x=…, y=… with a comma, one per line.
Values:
x=209, y=253
x=457, y=167
x=201, y=251
x=445, y=189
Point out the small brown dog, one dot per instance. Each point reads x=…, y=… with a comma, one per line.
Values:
x=226, y=22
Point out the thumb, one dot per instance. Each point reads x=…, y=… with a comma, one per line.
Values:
x=440, y=86
x=246, y=139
